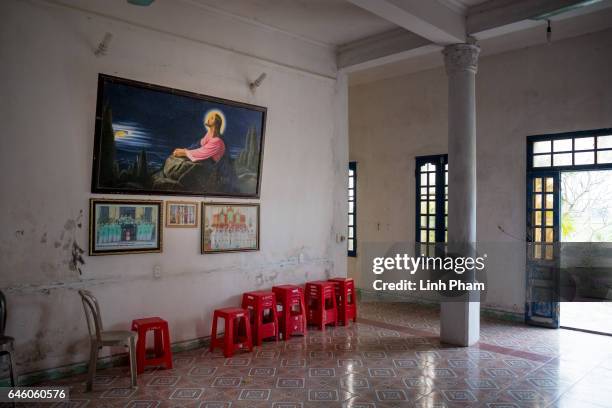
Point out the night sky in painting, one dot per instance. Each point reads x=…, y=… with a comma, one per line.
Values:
x=159, y=122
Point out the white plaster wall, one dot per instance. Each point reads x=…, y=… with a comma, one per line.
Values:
x=553, y=88
x=48, y=84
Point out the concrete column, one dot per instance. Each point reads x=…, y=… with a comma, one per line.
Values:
x=460, y=320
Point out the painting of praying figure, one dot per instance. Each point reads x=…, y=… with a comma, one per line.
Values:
x=124, y=226
x=230, y=227
x=151, y=139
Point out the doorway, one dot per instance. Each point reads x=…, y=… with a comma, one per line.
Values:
x=586, y=217
x=569, y=227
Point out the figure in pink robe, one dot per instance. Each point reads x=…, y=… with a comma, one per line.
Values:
x=211, y=145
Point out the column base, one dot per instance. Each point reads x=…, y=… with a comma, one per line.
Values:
x=460, y=323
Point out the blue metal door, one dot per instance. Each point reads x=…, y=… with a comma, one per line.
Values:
x=543, y=236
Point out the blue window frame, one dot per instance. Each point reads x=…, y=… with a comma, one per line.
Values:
x=351, y=241
x=431, y=198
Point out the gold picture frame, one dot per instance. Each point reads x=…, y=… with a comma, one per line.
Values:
x=230, y=227
x=186, y=214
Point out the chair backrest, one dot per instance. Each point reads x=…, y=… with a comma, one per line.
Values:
x=92, y=314
x=2, y=313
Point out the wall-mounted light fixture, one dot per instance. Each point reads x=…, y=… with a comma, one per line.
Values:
x=103, y=46
x=253, y=85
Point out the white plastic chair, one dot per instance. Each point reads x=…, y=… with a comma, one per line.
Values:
x=105, y=338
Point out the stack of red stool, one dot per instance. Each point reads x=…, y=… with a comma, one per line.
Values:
x=345, y=299
x=163, y=352
x=262, y=308
x=237, y=331
x=292, y=317
x=321, y=306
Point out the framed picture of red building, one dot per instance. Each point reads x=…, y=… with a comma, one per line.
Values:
x=230, y=227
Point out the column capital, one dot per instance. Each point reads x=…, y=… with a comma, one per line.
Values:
x=461, y=57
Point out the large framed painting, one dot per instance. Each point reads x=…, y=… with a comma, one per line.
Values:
x=124, y=226
x=230, y=227
x=151, y=139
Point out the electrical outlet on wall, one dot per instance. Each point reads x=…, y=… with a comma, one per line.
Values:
x=157, y=272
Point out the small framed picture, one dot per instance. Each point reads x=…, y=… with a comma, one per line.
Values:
x=124, y=226
x=182, y=214
x=229, y=227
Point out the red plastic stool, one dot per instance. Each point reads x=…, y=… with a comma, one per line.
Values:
x=291, y=310
x=163, y=352
x=237, y=327
x=262, y=308
x=321, y=308
x=345, y=299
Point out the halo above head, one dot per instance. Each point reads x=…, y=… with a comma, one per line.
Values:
x=218, y=112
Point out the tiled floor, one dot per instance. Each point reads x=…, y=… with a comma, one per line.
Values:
x=391, y=358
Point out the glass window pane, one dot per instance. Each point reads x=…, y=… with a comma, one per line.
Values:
x=351, y=219
x=351, y=207
x=423, y=221
x=537, y=235
x=604, y=156
x=537, y=201
x=541, y=160
x=562, y=145
x=563, y=159
x=549, y=218
x=541, y=147
x=584, y=143
x=584, y=158
x=549, y=252
x=432, y=179
x=350, y=244
x=432, y=236
x=424, y=179
x=537, y=184
x=538, y=217
x=432, y=207
x=549, y=235
x=432, y=191
x=423, y=168
x=423, y=235
x=432, y=222
x=604, y=142
x=423, y=190
x=550, y=185
x=351, y=232
x=351, y=193
x=423, y=207
x=431, y=167
x=351, y=172
x=446, y=207
x=549, y=201
x=446, y=222
x=351, y=182
x=537, y=251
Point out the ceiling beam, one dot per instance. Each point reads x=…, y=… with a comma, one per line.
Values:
x=378, y=48
x=497, y=13
x=429, y=19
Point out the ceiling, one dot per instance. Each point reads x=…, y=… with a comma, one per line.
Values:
x=367, y=29
x=330, y=22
